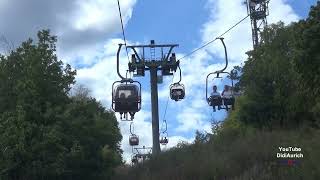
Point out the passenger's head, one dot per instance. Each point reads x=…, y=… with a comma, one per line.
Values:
x=214, y=88
x=226, y=87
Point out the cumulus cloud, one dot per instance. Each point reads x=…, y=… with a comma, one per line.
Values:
x=225, y=13
x=81, y=25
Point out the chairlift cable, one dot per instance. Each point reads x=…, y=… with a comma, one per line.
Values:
x=123, y=33
x=165, y=110
x=206, y=44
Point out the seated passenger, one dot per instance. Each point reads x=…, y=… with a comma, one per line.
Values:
x=176, y=94
x=122, y=102
x=215, y=98
x=122, y=96
x=227, y=97
x=252, y=4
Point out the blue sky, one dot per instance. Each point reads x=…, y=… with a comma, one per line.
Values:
x=89, y=31
x=168, y=21
x=301, y=7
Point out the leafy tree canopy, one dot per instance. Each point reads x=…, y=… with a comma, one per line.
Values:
x=44, y=133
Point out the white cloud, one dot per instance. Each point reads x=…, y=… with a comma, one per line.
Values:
x=225, y=13
x=100, y=14
x=281, y=11
x=82, y=26
x=98, y=79
x=191, y=119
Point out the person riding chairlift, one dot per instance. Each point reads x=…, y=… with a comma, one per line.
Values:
x=252, y=4
x=176, y=94
x=215, y=96
x=227, y=97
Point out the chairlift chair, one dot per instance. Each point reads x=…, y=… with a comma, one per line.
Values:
x=164, y=137
x=126, y=98
x=177, y=90
x=215, y=101
x=126, y=94
x=164, y=141
x=133, y=140
x=219, y=100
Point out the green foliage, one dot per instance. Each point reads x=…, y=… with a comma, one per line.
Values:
x=306, y=60
x=229, y=155
x=282, y=74
x=269, y=80
x=306, y=53
x=93, y=137
x=44, y=134
x=235, y=75
x=201, y=138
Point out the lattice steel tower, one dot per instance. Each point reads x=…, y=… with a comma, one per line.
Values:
x=258, y=11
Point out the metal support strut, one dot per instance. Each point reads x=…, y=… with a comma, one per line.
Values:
x=155, y=111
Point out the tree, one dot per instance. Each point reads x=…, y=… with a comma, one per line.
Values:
x=306, y=62
x=269, y=79
x=44, y=133
x=282, y=74
x=33, y=91
x=93, y=137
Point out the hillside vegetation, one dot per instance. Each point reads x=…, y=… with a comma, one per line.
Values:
x=280, y=107
x=46, y=133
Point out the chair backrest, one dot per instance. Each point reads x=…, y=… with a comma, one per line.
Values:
x=126, y=91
